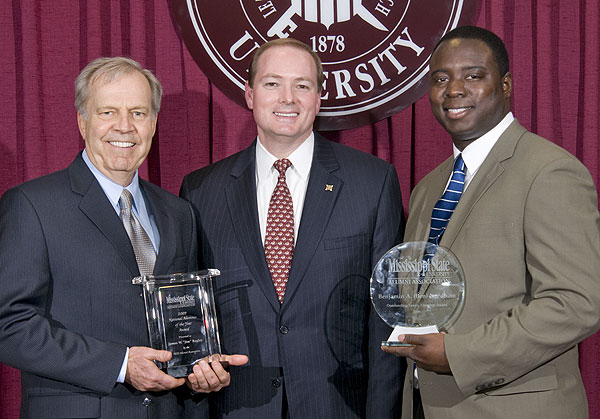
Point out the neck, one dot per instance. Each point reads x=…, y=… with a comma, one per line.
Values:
x=281, y=147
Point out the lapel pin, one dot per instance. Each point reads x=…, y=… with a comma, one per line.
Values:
x=329, y=188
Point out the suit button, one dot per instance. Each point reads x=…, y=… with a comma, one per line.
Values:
x=276, y=382
x=147, y=401
x=283, y=330
x=499, y=381
x=480, y=387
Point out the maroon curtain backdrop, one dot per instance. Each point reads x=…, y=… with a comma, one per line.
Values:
x=553, y=45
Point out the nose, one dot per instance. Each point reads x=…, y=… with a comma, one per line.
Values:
x=455, y=87
x=123, y=122
x=286, y=94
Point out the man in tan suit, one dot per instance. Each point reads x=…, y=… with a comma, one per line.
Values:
x=526, y=232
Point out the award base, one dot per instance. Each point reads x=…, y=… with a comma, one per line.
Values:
x=394, y=343
x=405, y=330
x=178, y=371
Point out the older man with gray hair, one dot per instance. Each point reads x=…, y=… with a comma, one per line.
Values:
x=70, y=318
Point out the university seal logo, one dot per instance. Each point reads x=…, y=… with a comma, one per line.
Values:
x=375, y=53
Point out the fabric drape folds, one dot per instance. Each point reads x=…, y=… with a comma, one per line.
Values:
x=555, y=62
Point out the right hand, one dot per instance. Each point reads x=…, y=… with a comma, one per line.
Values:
x=143, y=374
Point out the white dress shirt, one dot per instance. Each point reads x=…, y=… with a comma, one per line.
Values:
x=475, y=153
x=296, y=177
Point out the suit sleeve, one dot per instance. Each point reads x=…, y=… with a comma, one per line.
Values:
x=193, y=252
x=31, y=340
x=386, y=372
x=562, y=261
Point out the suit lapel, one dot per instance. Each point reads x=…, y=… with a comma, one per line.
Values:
x=491, y=169
x=166, y=229
x=243, y=210
x=321, y=194
x=422, y=214
x=95, y=205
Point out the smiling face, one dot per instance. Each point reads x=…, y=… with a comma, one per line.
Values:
x=119, y=127
x=284, y=99
x=467, y=93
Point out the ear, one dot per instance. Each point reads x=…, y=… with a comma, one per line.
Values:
x=154, y=121
x=507, y=84
x=249, y=95
x=81, y=122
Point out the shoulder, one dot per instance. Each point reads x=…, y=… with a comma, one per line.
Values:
x=352, y=163
x=351, y=155
x=47, y=188
x=221, y=170
x=541, y=149
x=159, y=195
x=534, y=154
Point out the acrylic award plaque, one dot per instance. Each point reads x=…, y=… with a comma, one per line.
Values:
x=416, y=288
x=181, y=317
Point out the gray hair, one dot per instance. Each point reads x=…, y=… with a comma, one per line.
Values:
x=109, y=69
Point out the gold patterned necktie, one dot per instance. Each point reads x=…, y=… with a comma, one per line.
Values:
x=279, y=239
x=142, y=245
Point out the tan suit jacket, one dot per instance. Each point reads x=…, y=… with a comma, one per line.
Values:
x=526, y=233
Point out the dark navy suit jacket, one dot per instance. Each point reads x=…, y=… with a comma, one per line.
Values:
x=322, y=345
x=68, y=309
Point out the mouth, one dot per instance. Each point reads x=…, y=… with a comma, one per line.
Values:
x=286, y=114
x=121, y=144
x=457, y=113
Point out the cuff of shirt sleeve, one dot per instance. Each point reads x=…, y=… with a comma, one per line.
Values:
x=121, y=377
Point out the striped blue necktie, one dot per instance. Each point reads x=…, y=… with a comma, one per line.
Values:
x=445, y=206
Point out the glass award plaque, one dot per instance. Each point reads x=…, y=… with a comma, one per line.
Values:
x=181, y=317
x=416, y=288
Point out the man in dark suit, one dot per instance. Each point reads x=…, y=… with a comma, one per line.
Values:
x=526, y=233
x=311, y=337
x=70, y=318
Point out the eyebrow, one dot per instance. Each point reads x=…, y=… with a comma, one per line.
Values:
x=278, y=77
x=473, y=67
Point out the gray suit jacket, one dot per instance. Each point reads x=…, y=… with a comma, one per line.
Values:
x=323, y=344
x=526, y=233
x=68, y=309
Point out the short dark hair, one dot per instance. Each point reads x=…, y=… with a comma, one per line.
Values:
x=286, y=42
x=492, y=40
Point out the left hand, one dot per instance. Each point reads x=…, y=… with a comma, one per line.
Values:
x=427, y=351
x=209, y=374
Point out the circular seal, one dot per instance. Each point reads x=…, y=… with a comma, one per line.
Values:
x=375, y=53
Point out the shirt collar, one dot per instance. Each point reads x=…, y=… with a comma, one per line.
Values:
x=113, y=190
x=301, y=159
x=475, y=153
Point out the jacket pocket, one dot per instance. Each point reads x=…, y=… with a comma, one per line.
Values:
x=65, y=405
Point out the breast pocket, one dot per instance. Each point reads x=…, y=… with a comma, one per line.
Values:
x=358, y=240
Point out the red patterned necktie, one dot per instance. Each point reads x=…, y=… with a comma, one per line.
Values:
x=279, y=239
